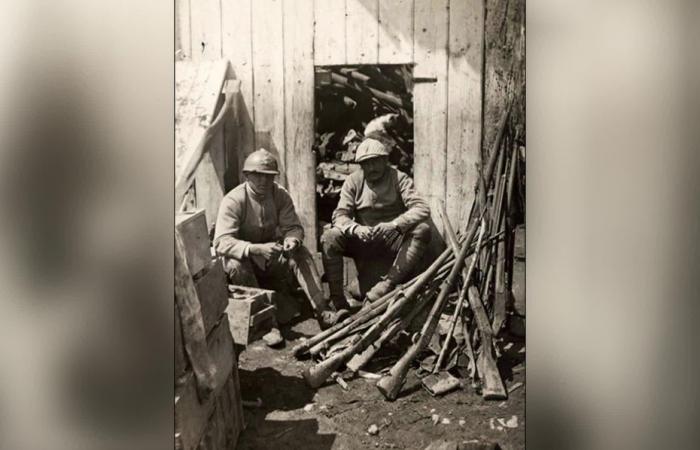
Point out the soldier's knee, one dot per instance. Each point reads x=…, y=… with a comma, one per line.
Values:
x=239, y=272
x=333, y=239
x=421, y=232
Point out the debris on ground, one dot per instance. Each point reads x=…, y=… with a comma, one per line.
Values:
x=373, y=429
x=514, y=387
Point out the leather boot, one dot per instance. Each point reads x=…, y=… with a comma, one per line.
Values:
x=410, y=254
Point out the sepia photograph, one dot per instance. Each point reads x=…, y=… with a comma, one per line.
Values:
x=350, y=224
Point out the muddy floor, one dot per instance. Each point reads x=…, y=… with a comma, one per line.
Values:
x=294, y=416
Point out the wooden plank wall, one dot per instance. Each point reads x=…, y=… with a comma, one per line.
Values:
x=273, y=46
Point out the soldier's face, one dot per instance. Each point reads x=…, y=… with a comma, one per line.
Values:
x=374, y=168
x=261, y=183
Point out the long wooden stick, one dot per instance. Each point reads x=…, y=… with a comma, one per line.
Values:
x=493, y=388
x=390, y=385
x=359, y=360
x=460, y=302
x=316, y=375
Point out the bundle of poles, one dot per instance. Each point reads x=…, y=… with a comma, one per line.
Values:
x=473, y=267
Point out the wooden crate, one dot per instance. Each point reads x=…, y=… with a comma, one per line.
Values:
x=191, y=416
x=226, y=422
x=211, y=287
x=192, y=229
x=251, y=313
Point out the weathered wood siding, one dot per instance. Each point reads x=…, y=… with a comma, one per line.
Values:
x=273, y=46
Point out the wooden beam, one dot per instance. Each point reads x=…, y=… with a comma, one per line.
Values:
x=464, y=115
x=299, y=112
x=430, y=102
x=268, y=71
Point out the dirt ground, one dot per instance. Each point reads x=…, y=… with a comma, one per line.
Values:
x=294, y=416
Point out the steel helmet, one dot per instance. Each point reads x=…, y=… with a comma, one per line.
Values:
x=261, y=161
x=370, y=148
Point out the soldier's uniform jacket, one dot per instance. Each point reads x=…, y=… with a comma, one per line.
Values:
x=245, y=217
x=392, y=198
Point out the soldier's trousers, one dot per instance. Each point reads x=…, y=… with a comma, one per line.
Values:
x=280, y=275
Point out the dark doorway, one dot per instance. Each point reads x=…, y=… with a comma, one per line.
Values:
x=347, y=100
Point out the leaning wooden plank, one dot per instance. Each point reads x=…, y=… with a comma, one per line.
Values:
x=362, y=31
x=329, y=32
x=191, y=414
x=189, y=78
x=493, y=388
x=205, y=161
x=206, y=29
x=466, y=31
x=299, y=111
x=430, y=101
x=237, y=48
x=193, y=333
x=395, y=31
x=198, y=109
x=268, y=71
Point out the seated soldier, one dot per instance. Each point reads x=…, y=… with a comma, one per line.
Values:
x=378, y=212
x=259, y=236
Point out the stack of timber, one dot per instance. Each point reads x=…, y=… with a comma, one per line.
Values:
x=354, y=102
x=208, y=407
x=446, y=320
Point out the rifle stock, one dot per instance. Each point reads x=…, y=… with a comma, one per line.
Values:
x=493, y=388
x=458, y=308
x=316, y=375
x=391, y=384
x=359, y=360
x=359, y=318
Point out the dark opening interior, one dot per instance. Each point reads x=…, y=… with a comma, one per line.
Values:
x=347, y=100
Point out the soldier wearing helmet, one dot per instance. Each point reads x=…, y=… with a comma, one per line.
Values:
x=260, y=237
x=379, y=212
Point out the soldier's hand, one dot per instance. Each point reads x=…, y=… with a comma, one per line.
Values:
x=291, y=244
x=269, y=250
x=384, y=230
x=363, y=233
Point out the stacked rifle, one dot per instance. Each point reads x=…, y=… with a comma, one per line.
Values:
x=470, y=279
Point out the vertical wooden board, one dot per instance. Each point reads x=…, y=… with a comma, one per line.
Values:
x=466, y=34
x=395, y=31
x=182, y=28
x=362, y=31
x=209, y=179
x=268, y=73
x=237, y=48
x=430, y=102
x=206, y=29
x=329, y=32
x=299, y=112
